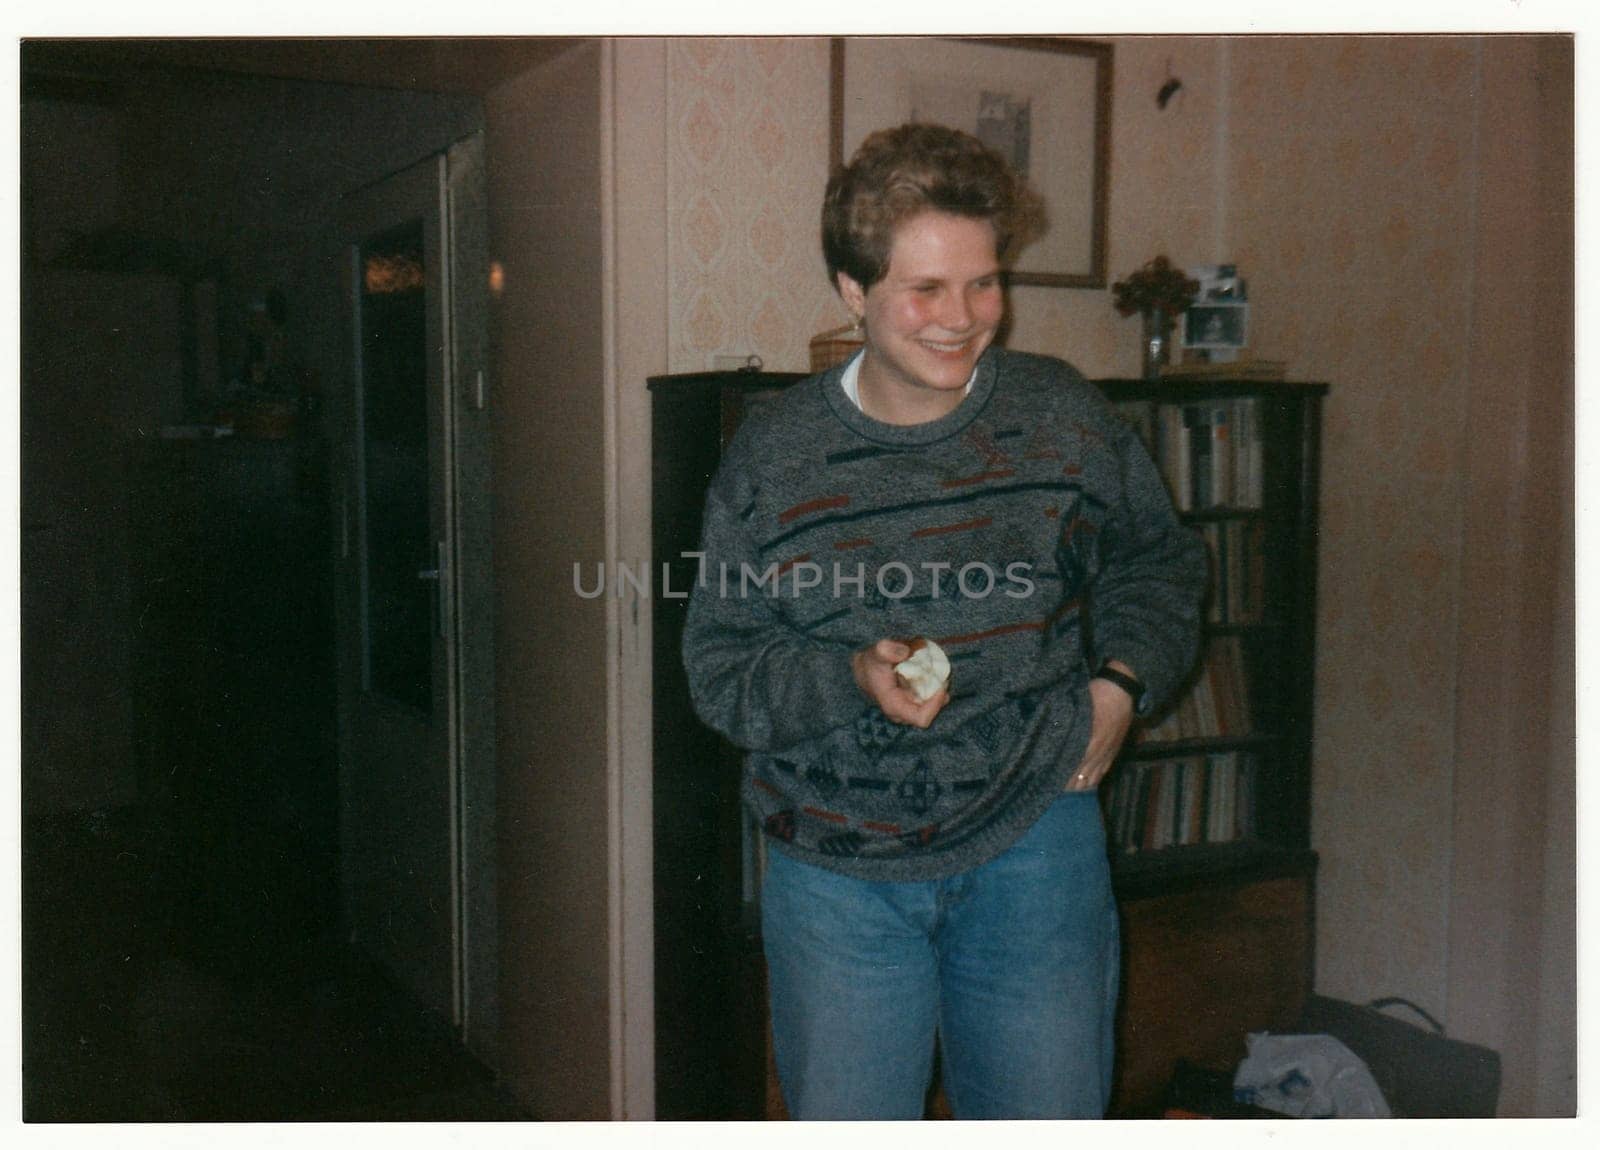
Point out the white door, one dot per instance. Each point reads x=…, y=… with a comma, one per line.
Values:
x=404, y=842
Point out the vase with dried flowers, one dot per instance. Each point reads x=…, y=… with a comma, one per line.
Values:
x=1159, y=292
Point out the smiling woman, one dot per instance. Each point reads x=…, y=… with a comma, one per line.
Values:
x=915, y=230
x=929, y=319
x=935, y=860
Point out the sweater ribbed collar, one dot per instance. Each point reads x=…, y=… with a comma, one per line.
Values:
x=912, y=434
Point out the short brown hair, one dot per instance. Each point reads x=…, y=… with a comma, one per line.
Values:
x=898, y=173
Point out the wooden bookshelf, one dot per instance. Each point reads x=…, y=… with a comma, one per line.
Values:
x=1250, y=694
x=1217, y=888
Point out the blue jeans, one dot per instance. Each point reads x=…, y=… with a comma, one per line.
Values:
x=1012, y=964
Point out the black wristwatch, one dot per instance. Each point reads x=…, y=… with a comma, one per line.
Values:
x=1127, y=682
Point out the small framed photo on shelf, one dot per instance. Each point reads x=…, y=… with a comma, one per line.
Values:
x=1217, y=322
x=1215, y=326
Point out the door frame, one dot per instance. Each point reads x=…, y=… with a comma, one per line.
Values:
x=467, y=212
x=453, y=181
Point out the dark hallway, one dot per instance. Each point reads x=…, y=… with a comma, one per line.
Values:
x=137, y=1010
x=183, y=951
x=183, y=940
x=183, y=948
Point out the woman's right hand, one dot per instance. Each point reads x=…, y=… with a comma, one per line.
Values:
x=874, y=672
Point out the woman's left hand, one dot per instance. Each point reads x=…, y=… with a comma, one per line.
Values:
x=1113, y=715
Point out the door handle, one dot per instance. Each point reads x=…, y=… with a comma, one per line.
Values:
x=436, y=575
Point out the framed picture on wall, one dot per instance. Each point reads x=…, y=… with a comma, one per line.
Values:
x=1043, y=102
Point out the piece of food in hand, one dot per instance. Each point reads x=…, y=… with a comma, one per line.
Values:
x=926, y=672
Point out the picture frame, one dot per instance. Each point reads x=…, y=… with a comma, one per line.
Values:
x=1043, y=101
x=1216, y=326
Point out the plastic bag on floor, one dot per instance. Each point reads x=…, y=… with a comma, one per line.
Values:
x=1307, y=1076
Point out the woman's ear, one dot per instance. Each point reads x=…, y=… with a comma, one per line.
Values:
x=853, y=294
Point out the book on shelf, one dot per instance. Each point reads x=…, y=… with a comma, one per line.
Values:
x=1217, y=704
x=1183, y=801
x=1192, y=796
x=1221, y=780
x=1236, y=549
x=1209, y=452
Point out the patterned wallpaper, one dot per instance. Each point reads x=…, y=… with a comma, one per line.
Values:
x=1339, y=173
x=1163, y=201
x=1350, y=200
x=747, y=157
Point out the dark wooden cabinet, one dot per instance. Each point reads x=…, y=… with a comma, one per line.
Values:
x=1216, y=926
x=710, y=998
x=1206, y=961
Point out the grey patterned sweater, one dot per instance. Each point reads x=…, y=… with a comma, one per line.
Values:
x=1027, y=532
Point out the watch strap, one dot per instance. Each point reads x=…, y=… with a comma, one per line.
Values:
x=1127, y=682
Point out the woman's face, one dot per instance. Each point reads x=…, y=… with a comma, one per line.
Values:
x=930, y=317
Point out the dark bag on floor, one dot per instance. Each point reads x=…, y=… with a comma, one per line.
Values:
x=1422, y=1073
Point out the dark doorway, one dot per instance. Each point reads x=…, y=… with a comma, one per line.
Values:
x=184, y=953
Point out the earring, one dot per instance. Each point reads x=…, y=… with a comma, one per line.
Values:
x=859, y=321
